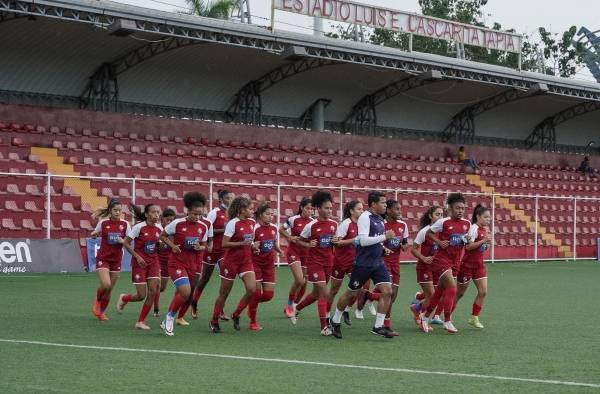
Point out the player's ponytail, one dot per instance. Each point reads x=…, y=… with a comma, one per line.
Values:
x=102, y=213
x=138, y=214
x=426, y=217
x=478, y=211
x=348, y=207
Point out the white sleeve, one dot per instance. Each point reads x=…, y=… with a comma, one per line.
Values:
x=473, y=232
x=276, y=233
x=342, y=230
x=205, y=237
x=212, y=216
x=405, y=235
x=210, y=232
x=128, y=228
x=420, y=238
x=160, y=227
x=438, y=226
x=230, y=228
x=364, y=224
x=98, y=228
x=288, y=223
x=306, y=231
x=171, y=227
x=135, y=231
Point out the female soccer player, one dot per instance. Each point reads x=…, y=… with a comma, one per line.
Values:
x=265, y=233
x=145, y=267
x=189, y=240
x=296, y=253
x=393, y=247
x=423, y=249
x=218, y=218
x=319, y=236
x=344, y=252
x=451, y=235
x=112, y=230
x=164, y=251
x=473, y=267
x=238, y=242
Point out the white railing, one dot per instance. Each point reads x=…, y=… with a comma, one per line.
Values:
x=488, y=199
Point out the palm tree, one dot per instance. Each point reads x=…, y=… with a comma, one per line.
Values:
x=219, y=9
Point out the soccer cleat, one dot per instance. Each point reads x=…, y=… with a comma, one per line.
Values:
x=156, y=313
x=236, y=322
x=102, y=317
x=326, y=331
x=382, y=331
x=255, y=326
x=167, y=325
x=142, y=326
x=224, y=317
x=96, y=308
x=336, y=330
x=294, y=319
x=424, y=326
x=372, y=309
x=194, y=310
x=182, y=322
x=416, y=314
x=214, y=327
x=121, y=304
x=450, y=327
x=392, y=332
x=289, y=311
x=359, y=314
x=346, y=317
x=436, y=320
x=474, y=321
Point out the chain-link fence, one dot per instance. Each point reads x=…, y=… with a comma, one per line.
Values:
x=524, y=227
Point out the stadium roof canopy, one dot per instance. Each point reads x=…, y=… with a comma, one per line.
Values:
x=108, y=56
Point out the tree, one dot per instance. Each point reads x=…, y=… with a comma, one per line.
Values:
x=561, y=58
x=219, y=9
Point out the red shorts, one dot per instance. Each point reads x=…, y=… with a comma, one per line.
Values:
x=293, y=256
x=264, y=273
x=318, y=273
x=112, y=266
x=341, y=269
x=425, y=275
x=164, y=268
x=140, y=275
x=394, y=269
x=213, y=258
x=230, y=269
x=178, y=271
x=466, y=274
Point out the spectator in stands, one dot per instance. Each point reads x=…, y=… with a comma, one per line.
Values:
x=462, y=157
x=586, y=169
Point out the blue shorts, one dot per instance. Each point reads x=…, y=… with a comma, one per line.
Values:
x=360, y=275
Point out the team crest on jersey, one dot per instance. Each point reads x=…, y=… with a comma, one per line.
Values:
x=450, y=227
x=178, y=272
x=315, y=275
x=145, y=234
x=260, y=235
x=137, y=276
x=184, y=229
x=332, y=228
x=318, y=229
x=121, y=227
x=225, y=271
x=464, y=227
x=425, y=276
x=200, y=231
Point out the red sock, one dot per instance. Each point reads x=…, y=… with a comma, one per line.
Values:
x=439, y=309
x=387, y=323
x=157, y=301
x=434, y=301
x=253, y=307
x=216, y=313
x=291, y=298
x=449, y=296
x=127, y=298
x=328, y=307
x=144, y=312
x=197, y=294
x=322, y=309
x=241, y=306
x=104, y=301
x=420, y=296
x=373, y=296
x=99, y=294
x=300, y=294
x=309, y=299
x=476, y=310
x=183, y=310
x=176, y=303
x=267, y=296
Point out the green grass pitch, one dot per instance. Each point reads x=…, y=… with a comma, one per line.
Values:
x=542, y=322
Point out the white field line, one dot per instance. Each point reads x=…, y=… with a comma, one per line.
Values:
x=302, y=362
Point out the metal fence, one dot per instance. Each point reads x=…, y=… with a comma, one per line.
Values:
x=524, y=227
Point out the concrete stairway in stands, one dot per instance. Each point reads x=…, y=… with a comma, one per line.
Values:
x=82, y=187
x=518, y=214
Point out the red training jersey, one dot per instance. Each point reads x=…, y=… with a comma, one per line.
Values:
x=394, y=244
x=146, y=240
x=239, y=230
x=428, y=247
x=343, y=255
x=267, y=236
x=453, y=231
x=474, y=258
x=218, y=219
x=185, y=234
x=110, y=231
x=323, y=232
x=295, y=224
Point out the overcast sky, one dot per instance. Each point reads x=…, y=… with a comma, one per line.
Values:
x=525, y=16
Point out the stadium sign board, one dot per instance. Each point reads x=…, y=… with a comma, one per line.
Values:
x=18, y=255
x=403, y=22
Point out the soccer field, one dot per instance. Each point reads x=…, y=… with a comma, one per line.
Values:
x=542, y=335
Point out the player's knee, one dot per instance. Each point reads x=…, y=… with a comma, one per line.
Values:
x=267, y=295
x=385, y=291
x=482, y=293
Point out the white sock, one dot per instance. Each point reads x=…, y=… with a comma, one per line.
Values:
x=347, y=309
x=337, y=316
x=379, y=319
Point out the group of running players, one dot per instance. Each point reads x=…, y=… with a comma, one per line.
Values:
x=243, y=241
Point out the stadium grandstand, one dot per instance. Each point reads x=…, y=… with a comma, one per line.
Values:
x=100, y=99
